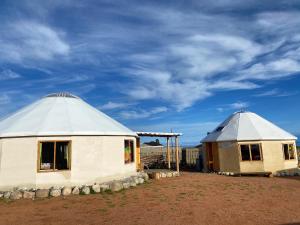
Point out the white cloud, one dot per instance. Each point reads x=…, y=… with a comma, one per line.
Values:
x=4, y=99
x=239, y=105
x=234, y=106
x=115, y=105
x=270, y=70
x=26, y=40
x=8, y=75
x=141, y=114
x=275, y=93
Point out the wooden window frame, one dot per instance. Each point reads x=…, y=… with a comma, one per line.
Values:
x=294, y=150
x=54, y=155
x=250, y=153
x=133, y=151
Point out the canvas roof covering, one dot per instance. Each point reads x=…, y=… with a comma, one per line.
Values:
x=58, y=115
x=247, y=126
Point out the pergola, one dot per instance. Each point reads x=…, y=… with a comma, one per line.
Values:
x=167, y=136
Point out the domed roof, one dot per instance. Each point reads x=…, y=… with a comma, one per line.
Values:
x=60, y=114
x=247, y=126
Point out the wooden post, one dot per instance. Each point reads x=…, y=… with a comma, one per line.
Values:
x=168, y=153
x=177, y=154
x=139, y=167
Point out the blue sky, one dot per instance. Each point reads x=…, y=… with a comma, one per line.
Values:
x=156, y=65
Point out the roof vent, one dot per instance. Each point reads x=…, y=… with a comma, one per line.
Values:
x=61, y=94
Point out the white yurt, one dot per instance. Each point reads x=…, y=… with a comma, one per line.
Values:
x=62, y=140
x=248, y=143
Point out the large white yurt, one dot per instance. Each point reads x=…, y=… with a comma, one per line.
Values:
x=62, y=140
x=248, y=143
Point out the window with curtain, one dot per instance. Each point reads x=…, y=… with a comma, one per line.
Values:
x=54, y=155
x=128, y=151
x=288, y=151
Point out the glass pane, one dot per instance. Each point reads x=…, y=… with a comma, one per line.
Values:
x=255, y=152
x=47, y=155
x=126, y=151
x=131, y=151
x=245, y=152
x=291, y=151
x=62, y=156
x=286, y=152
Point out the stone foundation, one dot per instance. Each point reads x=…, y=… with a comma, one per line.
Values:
x=114, y=186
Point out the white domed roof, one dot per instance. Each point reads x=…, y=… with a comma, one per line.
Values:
x=60, y=114
x=247, y=126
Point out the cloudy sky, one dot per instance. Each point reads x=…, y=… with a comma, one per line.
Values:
x=156, y=65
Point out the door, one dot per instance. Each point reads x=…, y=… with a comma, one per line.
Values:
x=212, y=156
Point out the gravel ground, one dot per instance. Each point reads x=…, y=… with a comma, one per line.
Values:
x=192, y=198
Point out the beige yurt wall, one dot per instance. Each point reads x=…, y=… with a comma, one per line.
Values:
x=93, y=158
x=18, y=162
x=250, y=166
x=274, y=158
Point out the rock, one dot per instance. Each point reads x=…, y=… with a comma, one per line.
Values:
x=163, y=175
x=96, y=188
x=6, y=194
x=28, y=194
x=126, y=185
x=85, y=190
x=140, y=180
x=116, y=186
x=104, y=187
x=42, y=193
x=132, y=183
x=55, y=192
x=135, y=179
x=15, y=195
x=231, y=174
x=169, y=174
x=1, y=195
x=146, y=176
x=66, y=191
x=76, y=191
x=154, y=176
x=175, y=174
x=227, y=174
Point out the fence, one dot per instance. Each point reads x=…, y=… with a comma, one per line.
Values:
x=188, y=157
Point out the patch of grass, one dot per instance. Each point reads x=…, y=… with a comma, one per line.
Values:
x=111, y=205
x=66, y=206
x=103, y=210
x=108, y=192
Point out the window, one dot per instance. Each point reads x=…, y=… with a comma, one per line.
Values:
x=288, y=151
x=255, y=152
x=251, y=152
x=245, y=152
x=54, y=155
x=128, y=151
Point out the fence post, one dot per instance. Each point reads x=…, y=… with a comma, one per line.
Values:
x=183, y=157
x=168, y=153
x=177, y=154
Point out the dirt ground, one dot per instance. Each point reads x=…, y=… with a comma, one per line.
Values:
x=192, y=198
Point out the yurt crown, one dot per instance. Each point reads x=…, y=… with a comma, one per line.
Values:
x=62, y=94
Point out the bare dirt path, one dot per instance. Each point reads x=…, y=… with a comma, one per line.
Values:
x=192, y=198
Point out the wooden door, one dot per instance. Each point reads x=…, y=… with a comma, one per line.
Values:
x=212, y=155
